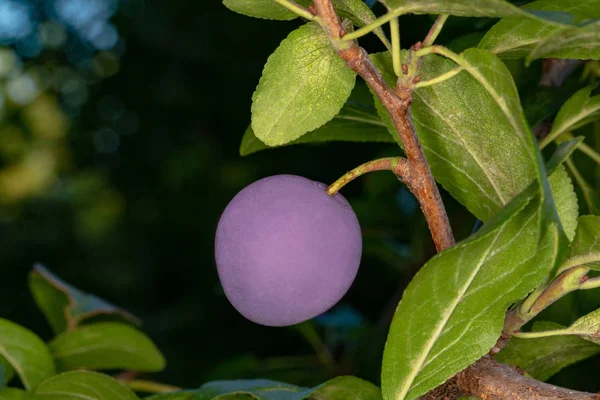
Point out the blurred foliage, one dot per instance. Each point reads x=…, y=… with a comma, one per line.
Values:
x=120, y=125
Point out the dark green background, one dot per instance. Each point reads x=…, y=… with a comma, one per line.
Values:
x=188, y=72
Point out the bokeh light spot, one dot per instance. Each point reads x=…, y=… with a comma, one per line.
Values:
x=22, y=89
x=52, y=34
x=8, y=61
x=106, y=141
x=15, y=21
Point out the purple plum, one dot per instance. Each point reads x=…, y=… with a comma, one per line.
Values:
x=286, y=251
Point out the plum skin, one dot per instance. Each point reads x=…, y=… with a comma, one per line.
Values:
x=286, y=251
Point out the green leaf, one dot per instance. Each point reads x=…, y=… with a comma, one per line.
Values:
x=565, y=200
x=7, y=371
x=360, y=14
x=344, y=388
x=88, y=385
x=453, y=311
x=462, y=8
x=26, y=353
x=267, y=9
x=63, y=304
x=585, y=248
x=579, y=110
x=340, y=388
x=580, y=43
x=543, y=357
x=356, y=122
x=304, y=85
x=468, y=130
x=260, y=389
x=16, y=394
x=588, y=327
x=515, y=38
x=106, y=345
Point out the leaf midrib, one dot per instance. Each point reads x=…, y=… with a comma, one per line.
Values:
x=445, y=317
x=583, y=114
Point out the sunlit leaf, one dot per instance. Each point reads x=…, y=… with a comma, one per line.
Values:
x=356, y=122
x=267, y=9
x=88, y=385
x=303, y=86
x=515, y=38
x=468, y=131
x=463, y=8
x=65, y=305
x=580, y=43
x=359, y=13
x=453, y=311
x=543, y=357
x=588, y=327
x=26, y=353
x=107, y=345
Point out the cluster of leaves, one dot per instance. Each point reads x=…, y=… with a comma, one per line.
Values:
x=93, y=335
x=469, y=118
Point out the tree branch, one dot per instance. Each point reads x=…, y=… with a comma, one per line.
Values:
x=397, y=103
x=491, y=380
x=486, y=378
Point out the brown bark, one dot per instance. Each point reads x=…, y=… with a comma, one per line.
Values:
x=420, y=180
x=490, y=380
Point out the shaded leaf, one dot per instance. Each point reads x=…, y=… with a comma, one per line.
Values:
x=107, y=345
x=344, y=388
x=262, y=389
x=579, y=110
x=580, y=43
x=303, y=86
x=340, y=388
x=7, y=371
x=356, y=122
x=462, y=8
x=88, y=385
x=515, y=38
x=543, y=357
x=16, y=394
x=590, y=195
x=466, y=132
x=63, y=304
x=183, y=395
x=267, y=9
x=26, y=353
x=585, y=248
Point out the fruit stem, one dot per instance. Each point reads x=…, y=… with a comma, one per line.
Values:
x=398, y=165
